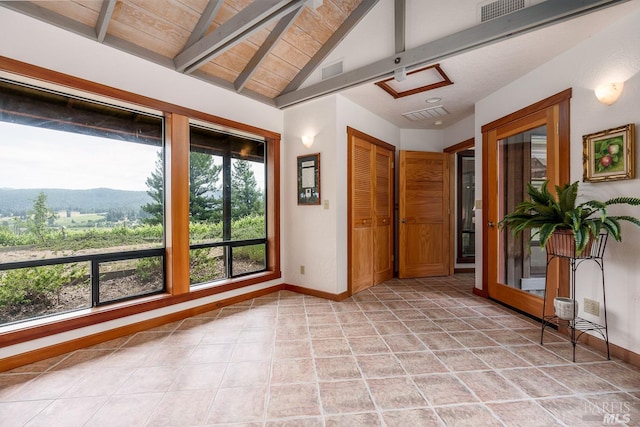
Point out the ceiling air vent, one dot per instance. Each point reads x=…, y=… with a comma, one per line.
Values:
x=493, y=9
x=426, y=113
x=332, y=70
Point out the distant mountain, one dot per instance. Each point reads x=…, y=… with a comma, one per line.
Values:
x=19, y=201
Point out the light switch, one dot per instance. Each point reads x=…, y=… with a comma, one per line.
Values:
x=326, y=204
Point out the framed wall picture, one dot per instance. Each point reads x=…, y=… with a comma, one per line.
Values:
x=609, y=155
x=309, y=179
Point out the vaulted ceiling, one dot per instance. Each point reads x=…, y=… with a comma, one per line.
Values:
x=271, y=50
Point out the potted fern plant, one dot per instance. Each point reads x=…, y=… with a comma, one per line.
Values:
x=552, y=216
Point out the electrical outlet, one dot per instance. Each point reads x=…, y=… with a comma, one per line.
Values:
x=591, y=307
x=302, y=269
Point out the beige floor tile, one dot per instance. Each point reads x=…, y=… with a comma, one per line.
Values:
x=440, y=341
x=337, y=368
x=461, y=360
x=182, y=408
x=395, y=393
x=411, y=417
x=330, y=347
x=535, y=383
x=573, y=411
x=10, y=383
x=245, y=374
x=499, y=358
x=354, y=420
x=467, y=416
x=99, y=382
x=126, y=411
x=149, y=380
x=353, y=330
x=238, y=405
x=380, y=366
x=444, y=389
x=295, y=422
x=291, y=400
x=325, y=331
x=404, y=353
x=340, y=397
x=206, y=376
x=523, y=414
x=19, y=413
x=399, y=343
x=616, y=374
x=420, y=363
x=293, y=371
x=490, y=386
x=75, y=411
x=292, y=349
x=578, y=379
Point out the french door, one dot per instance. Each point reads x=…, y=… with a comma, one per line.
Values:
x=530, y=146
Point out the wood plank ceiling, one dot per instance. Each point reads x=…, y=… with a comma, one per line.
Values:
x=259, y=48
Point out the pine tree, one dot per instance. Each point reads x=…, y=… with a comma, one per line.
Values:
x=246, y=197
x=203, y=178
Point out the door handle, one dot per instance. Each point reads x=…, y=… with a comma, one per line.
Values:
x=404, y=221
x=491, y=224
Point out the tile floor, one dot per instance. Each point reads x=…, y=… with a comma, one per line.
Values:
x=406, y=353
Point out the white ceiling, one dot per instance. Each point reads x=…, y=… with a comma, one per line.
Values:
x=475, y=74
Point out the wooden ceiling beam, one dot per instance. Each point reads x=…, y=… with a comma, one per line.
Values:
x=246, y=22
x=106, y=12
x=522, y=21
x=207, y=17
x=266, y=47
x=352, y=20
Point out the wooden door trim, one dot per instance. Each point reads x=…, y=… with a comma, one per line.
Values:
x=358, y=134
x=558, y=98
x=452, y=150
x=561, y=157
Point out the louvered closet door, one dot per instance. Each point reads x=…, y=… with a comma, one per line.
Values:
x=383, y=219
x=361, y=218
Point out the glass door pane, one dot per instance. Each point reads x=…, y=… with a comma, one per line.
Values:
x=522, y=159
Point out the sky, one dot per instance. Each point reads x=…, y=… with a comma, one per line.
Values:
x=32, y=157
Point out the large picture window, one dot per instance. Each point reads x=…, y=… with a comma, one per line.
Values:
x=76, y=226
x=227, y=202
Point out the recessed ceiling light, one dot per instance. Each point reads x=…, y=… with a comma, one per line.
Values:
x=437, y=122
x=433, y=100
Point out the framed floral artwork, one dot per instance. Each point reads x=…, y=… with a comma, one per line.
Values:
x=609, y=155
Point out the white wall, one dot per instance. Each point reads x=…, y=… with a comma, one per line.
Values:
x=422, y=140
x=36, y=43
x=309, y=234
x=610, y=55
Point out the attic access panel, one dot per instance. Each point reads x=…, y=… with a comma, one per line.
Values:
x=421, y=80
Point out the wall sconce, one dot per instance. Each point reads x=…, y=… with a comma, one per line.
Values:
x=307, y=140
x=609, y=93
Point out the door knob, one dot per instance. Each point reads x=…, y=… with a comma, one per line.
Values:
x=491, y=224
x=404, y=221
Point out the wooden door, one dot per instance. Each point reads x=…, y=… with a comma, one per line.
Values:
x=424, y=214
x=370, y=206
x=383, y=219
x=362, y=176
x=531, y=146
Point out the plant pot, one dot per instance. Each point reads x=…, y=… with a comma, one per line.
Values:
x=566, y=308
x=563, y=243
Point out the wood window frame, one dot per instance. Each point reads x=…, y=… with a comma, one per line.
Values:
x=176, y=211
